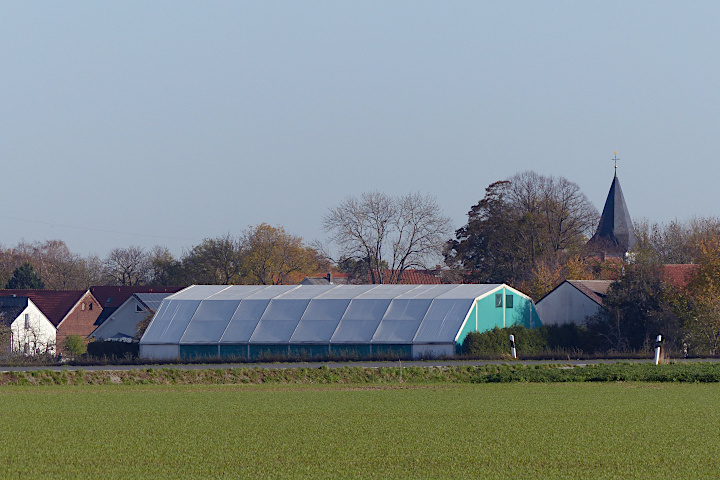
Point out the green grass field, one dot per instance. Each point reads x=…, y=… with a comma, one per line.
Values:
x=516, y=430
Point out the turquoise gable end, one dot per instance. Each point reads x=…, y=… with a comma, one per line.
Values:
x=501, y=308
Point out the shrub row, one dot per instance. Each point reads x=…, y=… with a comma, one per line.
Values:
x=616, y=372
x=113, y=350
x=550, y=340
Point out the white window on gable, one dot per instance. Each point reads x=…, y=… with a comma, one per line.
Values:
x=27, y=321
x=498, y=300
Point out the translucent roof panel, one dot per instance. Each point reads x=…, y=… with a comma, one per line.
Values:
x=170, y=322
x=279, y=321
x=314, y=331
x=470, y=290
x=401, y=321
x=159, y=323
x=271, y=291
x=244, y=321
x=426, y=291
x=326, y=309
x=198, y=292
x=306, y=293
x=210, y=321
x=360, y=320
x=320, y=320
x=443, y=320
x=346, y=291
x=407, y=309
x=313, y=313
x=386, y=291
x=236, y=292
x=152, y=300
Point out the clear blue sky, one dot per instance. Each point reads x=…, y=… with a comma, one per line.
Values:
x=174, y=121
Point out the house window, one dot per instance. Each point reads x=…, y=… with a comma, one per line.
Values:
x=508, y=301
x=82, y=307
x=498, y=300
x=138, y=308
x=90, y=306
x=27, y=321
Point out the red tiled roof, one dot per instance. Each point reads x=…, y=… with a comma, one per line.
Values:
x=409, y=277
x=418, y=277
x=54, y=304
x=678, y=275
x=114, y=296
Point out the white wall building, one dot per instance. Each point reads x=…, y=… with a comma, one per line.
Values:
x=31, y=333
x=122, y=324
x=572, y=302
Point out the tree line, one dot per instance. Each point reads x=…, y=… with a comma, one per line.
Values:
x=374, y=238
x=262, y=254
x=529, y=231
x=643, y=302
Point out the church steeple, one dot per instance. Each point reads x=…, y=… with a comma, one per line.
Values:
x=615, y=234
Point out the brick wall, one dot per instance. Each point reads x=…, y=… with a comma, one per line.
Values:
x=80, y=320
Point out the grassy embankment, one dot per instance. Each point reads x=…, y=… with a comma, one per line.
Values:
x=672, y=372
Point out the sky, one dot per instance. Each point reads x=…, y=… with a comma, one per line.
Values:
x=164, y=123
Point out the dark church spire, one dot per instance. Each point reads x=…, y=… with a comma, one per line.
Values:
x=615, y=234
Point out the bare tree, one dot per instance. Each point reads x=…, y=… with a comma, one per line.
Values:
x=127, y=266
x=11, y=259
x=6, y=340
x=93, y=270
x=675, y=242
x=401, y=232
x=554, y=213
x=59, y=268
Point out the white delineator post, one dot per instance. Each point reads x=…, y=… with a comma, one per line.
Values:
x=513, y=352
x=658, y=344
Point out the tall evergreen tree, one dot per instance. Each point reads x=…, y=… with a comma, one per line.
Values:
x=24, y=277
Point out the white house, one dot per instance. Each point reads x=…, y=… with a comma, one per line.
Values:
x=572, y=302
x=31, y=333
x=122, y=324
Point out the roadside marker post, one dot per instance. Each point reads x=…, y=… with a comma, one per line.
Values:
x=513, y=352
x=658, y=346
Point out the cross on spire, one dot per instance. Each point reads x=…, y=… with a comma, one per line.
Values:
x=615, y=158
